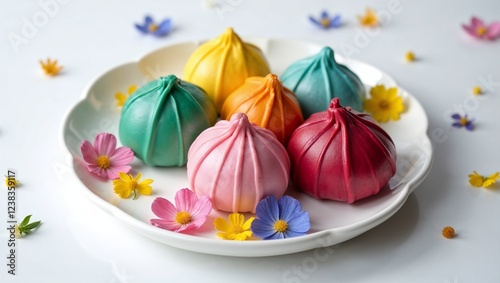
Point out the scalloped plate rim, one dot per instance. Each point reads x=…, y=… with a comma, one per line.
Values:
x=216, y=246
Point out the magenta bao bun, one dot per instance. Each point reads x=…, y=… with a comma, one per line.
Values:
x=340, y=154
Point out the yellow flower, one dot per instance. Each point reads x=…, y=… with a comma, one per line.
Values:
x=477, y=90
x=477, y=180
x=384, y=105
x=410, y=56
x=236, y=229
x=50, y=67
x=121, y=97
x=127, y=184
x=369, y=19
x=12, y=182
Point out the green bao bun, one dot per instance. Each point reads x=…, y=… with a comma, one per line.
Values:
x=160, y=121
x=318, y=79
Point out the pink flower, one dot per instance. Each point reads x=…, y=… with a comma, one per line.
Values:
x=188, y=213
x=104, y=159
x=478, y=29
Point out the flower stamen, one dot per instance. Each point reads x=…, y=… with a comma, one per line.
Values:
x=153, y=27
x=237, y=229
x=132, y=185
x=384, y=105
x=481, y=31
x=463, y=121
x=280, y=226
x=183, y=217
x=103, y=162
x=325, y=22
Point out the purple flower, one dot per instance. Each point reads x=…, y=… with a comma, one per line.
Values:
x=150, y=27
x=280, y=219
x=325, y=21
x=480, y=30
x=462, y=122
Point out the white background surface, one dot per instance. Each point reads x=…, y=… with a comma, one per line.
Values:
x=79, y=243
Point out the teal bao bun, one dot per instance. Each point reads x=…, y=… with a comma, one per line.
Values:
x=318, y=79
x=160, y=121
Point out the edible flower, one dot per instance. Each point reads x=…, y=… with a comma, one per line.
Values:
x=189, y=212
x=477, y=90
x=448, y=232
x=280, y=219
x=369, y=19
x=150, y=27
x=478, y=29
x=25, y=227
x=384, y=104
x=127, y=184
x=477, y=180
x=104, y=159
x=462, y=122
x=325, y=21
x=49, y=67
x=12, y=182
x=410, y=56
x=121, y=97
x=236, y=229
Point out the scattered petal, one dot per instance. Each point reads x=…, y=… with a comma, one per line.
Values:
x=477, y=180
x=325, y=22
x=410, y=56
x=462, y=122
x=478, y=29
x=369, y=19
x=493, y=31
x=477, y=90
x=150, y=27
x=121, y=97
x=50, y=68
x=12, y=182
x=448, y=232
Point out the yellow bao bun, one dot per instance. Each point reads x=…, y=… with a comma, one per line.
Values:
x=221, y=65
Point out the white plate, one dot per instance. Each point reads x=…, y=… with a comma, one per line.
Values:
x=332, y=222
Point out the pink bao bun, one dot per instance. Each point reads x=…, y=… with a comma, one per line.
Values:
x=236, y=164
x=342, y=155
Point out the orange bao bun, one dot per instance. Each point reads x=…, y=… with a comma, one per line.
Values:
x=268, y=104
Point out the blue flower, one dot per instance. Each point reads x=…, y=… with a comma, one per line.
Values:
x=325, y=21
x=462, y=122
x=150, y=27
x=280, y=219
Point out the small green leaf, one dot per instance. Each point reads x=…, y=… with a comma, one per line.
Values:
x=31, y=226
x=25, y=221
